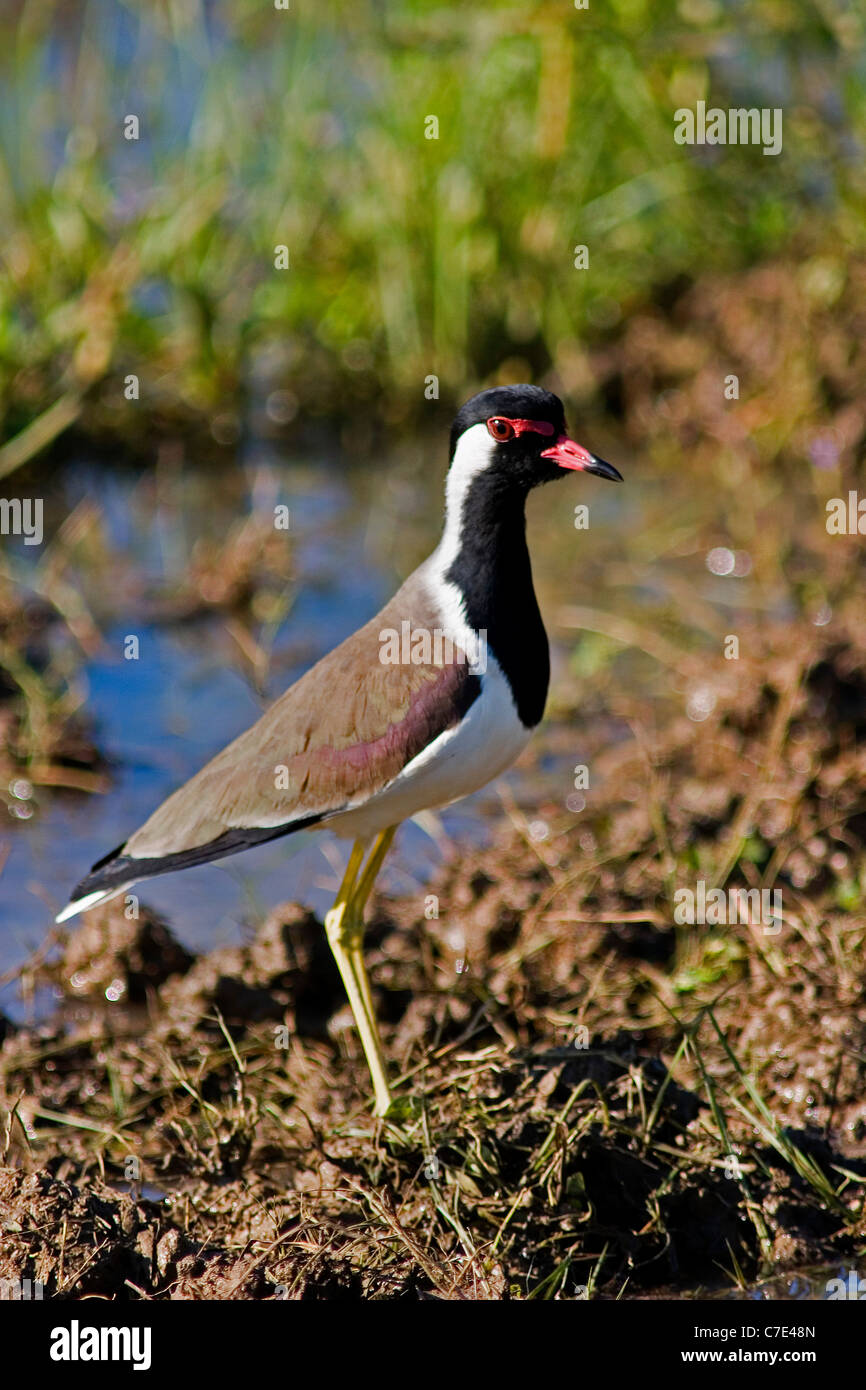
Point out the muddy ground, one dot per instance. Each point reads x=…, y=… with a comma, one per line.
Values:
x=593, y=1100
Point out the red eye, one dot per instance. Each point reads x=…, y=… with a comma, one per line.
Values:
x=501, y=429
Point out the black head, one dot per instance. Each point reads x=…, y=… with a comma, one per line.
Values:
x=518, y=435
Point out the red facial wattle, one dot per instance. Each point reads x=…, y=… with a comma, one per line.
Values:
x=505, y=427
x=565, y=452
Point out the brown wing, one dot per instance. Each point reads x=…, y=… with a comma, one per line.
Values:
x=335, y=738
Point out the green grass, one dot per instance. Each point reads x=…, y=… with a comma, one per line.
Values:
x=408, y=256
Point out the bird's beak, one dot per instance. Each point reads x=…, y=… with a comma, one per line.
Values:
x=569, y=454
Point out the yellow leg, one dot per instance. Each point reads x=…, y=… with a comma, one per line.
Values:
x=345, y=927
x=362, y=892
x=344, y=892
x=359, y=895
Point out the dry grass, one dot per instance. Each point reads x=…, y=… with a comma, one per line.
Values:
x=599, y=1099
x=595, y=1103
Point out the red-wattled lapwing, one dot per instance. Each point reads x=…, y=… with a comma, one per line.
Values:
x=426, y=703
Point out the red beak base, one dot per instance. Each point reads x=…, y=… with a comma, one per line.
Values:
x=569, y=454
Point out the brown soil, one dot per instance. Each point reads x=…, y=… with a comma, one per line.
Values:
x=591, y=1096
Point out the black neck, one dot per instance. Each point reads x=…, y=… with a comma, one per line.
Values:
x=493, y=572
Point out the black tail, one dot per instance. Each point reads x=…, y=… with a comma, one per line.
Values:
x=117, y=868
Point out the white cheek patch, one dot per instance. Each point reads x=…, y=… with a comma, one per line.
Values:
x=475, y=452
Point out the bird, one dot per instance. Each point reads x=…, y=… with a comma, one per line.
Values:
x=431, y=699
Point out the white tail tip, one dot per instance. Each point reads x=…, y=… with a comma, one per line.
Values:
x=82, y=905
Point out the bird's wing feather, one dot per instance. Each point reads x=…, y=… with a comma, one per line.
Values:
x=336, y=737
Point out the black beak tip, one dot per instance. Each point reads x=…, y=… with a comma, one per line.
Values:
x=604, y=470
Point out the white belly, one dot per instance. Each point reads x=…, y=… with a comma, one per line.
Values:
x=458, y=762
